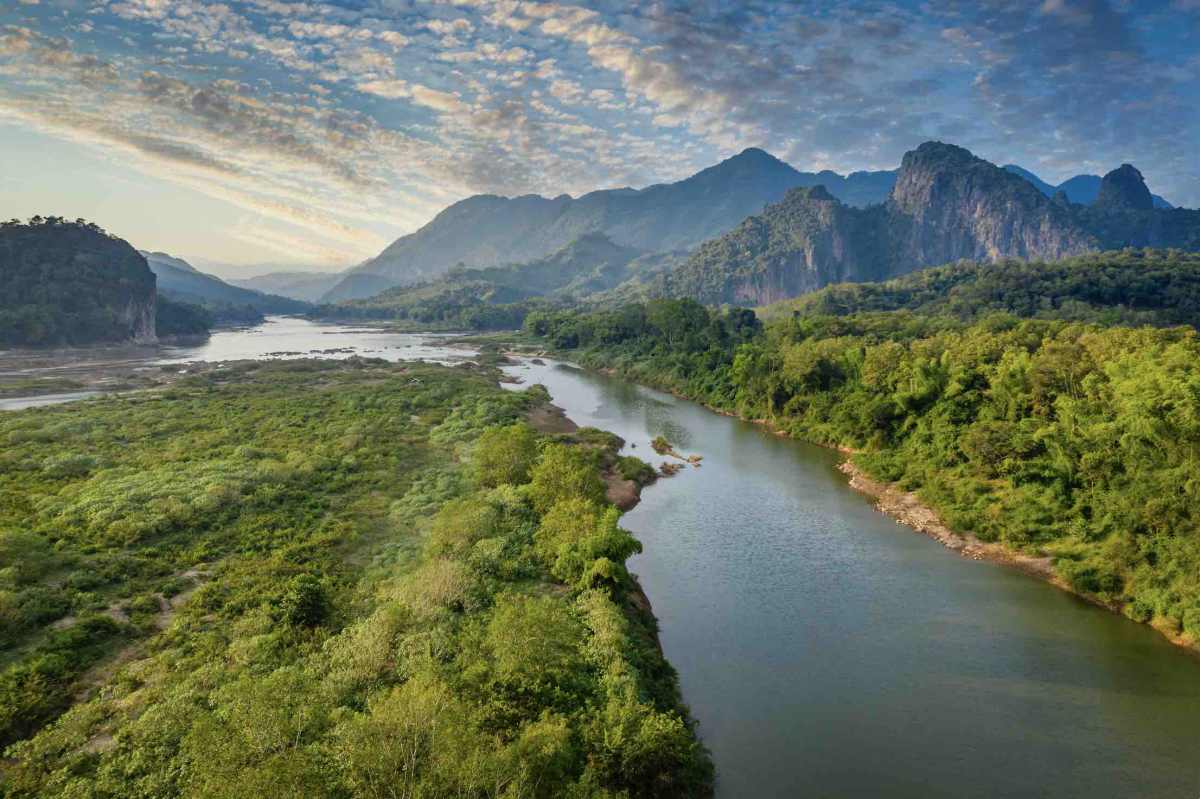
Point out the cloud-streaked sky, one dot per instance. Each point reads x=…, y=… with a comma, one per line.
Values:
x=300, y=131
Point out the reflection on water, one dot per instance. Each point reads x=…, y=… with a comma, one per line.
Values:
x=829, y=652
x=278, y=337
x=290, y=337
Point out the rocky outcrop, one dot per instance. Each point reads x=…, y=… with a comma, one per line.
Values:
x=949, y=205
x=946, y=205
x=1124, y=188
x=140, y=316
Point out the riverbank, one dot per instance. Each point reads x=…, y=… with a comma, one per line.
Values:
x=907, y=508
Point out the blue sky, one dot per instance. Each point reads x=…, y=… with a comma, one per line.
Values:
x=296, y=131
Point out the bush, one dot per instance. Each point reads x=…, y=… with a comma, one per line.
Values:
x=305, y=603
x=636, y=469
x=564, y=472
x=505, y=455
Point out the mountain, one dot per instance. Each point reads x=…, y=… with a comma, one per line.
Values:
x=806, y=241
x=946, y=205
x=178, y=280
x=70, y=283
x=1123, y=216
x=305, y=286
x=1081, y=189
x=357, y=285
x=592, y=263
x=487, y=230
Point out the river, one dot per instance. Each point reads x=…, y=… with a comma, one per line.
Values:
x=827, y=651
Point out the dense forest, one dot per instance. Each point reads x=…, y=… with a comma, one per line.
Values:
x=325, y=579
x=66, y=283
x=1044, y=425
x=1157, y=287
x=69, y=283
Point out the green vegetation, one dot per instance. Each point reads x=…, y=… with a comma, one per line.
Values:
x=500, y=297
x=64, y=283
x=1153, y=287
x=69, y=283
x=184, y=319
x=324, y=579
x=1074, y=440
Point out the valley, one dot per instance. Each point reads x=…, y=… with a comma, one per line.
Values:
x=563, y=399
x=802, y=599
x=341, y=549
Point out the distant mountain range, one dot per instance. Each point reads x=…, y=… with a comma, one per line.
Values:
x=487, y=230
x=305, y=286
x=591, y=264
x=1082, y=189
x=946, y=205
x=180, y=281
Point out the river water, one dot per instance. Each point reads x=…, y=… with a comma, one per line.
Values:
x=827, y=651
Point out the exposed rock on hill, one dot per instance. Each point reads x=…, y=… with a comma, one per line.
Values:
x=946, y=205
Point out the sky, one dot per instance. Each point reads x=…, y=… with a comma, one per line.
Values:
x=300, y=133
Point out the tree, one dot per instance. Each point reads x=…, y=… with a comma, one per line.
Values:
x=564, y=472
x=505, y=455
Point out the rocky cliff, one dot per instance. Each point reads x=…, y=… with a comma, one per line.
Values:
x=946, y=205
x=949, y=205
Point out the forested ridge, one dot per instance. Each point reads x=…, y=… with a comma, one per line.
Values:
x=1064, y=425
x=65, y=283
x=315, y=578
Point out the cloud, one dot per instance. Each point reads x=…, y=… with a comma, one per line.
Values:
x=362, y=120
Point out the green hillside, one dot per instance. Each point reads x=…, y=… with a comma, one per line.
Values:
x=70, y=283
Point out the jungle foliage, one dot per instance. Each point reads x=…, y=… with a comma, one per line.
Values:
x=1156, y=287
x=324, y=579
x=1075, y=440
x=65, y=283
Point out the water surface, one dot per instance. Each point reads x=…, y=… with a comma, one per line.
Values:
x=828, y=651
x=277, y=338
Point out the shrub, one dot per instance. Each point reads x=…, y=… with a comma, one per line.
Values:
x=505, y=455
x=564, y=472
x=305, y=603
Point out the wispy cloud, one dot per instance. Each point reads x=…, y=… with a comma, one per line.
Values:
x=354, y=123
